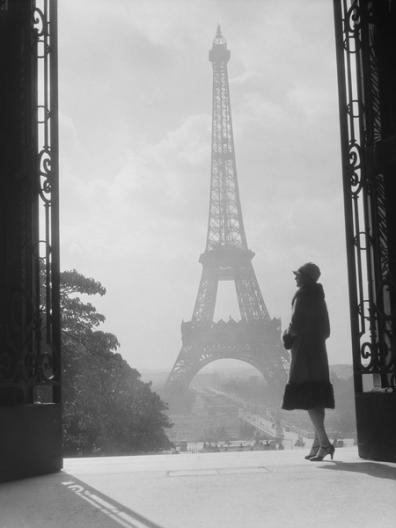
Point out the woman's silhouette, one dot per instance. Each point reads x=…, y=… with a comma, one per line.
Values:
x=309, y=384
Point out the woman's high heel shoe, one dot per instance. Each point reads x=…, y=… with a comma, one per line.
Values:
x=323, y=452
x=313, y=452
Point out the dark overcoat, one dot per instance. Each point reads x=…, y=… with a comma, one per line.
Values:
x=309, y=384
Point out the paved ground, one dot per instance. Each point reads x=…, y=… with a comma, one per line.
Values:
x=214, y=490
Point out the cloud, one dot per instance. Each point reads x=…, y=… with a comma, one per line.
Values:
x=132, y=209
x=247, y=78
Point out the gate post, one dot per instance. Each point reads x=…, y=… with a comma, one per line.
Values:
x=30, y=399
x=365, y=33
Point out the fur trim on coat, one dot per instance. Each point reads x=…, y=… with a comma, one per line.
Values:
x=308, y=395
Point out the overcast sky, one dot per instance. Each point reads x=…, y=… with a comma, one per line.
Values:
x=135, y=114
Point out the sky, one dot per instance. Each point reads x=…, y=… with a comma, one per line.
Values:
x=135, y=129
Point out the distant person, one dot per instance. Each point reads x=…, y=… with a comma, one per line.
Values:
x=309, y=384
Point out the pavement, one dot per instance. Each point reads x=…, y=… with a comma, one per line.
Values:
x=207, y=490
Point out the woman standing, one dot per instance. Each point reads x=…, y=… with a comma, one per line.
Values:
x=309, y=384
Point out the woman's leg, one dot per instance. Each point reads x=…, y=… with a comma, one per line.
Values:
x=317, y=416
x=314, y=447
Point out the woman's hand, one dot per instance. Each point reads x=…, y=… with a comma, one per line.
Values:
x=288, y=339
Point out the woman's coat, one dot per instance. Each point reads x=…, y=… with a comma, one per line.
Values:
x=309, y=385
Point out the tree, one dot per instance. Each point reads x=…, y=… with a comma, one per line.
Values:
x=107, y=408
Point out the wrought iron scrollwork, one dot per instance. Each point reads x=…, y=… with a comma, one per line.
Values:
x=353, y=20
x=45, y=174
x=372, y=292
x=39, y=21
x=46, y=364
x=352, y=27
x=354, y=167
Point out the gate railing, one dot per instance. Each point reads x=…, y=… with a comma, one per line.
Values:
x=29, y=230
x=366, y=177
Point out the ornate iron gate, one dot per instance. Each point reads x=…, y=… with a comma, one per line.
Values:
x=30, y=399
x=366, y=61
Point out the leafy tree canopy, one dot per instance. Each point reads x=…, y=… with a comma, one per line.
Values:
x=79, y=318
x=107, y=408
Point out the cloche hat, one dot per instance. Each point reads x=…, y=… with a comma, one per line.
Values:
x=310, y=270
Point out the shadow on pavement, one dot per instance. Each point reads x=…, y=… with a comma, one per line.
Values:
x=62, y=501
x=373, y=469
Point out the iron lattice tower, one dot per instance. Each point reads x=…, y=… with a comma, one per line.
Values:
x=254, y=339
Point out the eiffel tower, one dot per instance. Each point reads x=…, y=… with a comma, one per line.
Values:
x=255, y=339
